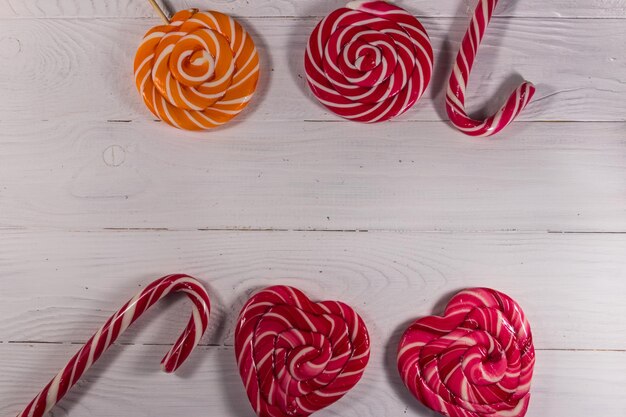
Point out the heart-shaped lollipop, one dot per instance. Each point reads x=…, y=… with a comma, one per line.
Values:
x=197, y=72
x=475, y=361
x=295, y=356
x=369, y=61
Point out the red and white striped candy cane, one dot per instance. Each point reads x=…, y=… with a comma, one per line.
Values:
x=455, y=96
x=117, y=324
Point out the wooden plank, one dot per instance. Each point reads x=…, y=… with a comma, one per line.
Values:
x=82, y=69
x=299, y=8
x=322, y=176
x=566, y=384
x=60, y=286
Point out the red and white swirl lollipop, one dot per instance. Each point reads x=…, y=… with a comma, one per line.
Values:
x=455, y=96
x=475, y=361
x=295, y=356
x=369, y=62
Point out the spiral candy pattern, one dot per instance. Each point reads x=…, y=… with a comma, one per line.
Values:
x=475, y=361
x=455, y=95
x=296, y=357
x=199, y=71
x=117, y=324
x=369, y=62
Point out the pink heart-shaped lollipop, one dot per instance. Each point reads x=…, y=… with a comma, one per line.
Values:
x=295, y=356
x=475, y=361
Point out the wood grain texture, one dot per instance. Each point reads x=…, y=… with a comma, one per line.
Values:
x=300, y=8
x=323, y=176
x=81, y=70
x=60, y=286
x=127, y=381
x=97, y=199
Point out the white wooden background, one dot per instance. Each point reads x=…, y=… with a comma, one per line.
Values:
x=97, y=199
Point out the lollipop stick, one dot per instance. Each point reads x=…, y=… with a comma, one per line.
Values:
x=160, y=11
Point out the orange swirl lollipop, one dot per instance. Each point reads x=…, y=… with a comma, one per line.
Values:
x=197, y=72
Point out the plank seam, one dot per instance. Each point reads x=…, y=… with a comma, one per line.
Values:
x=312, y=230
x=225, y=345
x=311, y=17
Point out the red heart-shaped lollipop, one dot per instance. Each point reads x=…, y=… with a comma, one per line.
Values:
x=296, y=357
x=475, y=361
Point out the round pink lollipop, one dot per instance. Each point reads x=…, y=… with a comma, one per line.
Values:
x=474, y=361
x=369, y=62
x=295, y=356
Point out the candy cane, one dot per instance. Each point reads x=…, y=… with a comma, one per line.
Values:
x=455, y=96
x=117, y=324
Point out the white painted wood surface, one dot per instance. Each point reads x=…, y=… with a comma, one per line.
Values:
x=551, y=274
x=97, y=199
x=89, y=63
x=299, y=8
x=128, y=382
x=296, y=175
